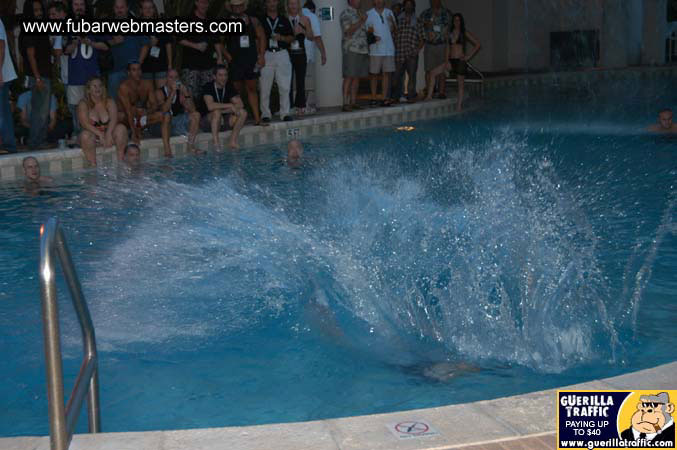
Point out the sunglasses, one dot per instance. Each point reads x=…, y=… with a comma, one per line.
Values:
x=651, y=404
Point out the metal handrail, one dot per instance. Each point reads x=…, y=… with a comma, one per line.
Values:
x=471, y=80
x=62, y=419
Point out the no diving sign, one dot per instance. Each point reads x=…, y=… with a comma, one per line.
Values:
x=412, y=429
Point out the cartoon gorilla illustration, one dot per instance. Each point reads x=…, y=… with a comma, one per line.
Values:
x=653, y=420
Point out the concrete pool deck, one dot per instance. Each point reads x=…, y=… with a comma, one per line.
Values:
x=519, y=422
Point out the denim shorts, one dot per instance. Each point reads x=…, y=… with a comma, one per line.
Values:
x=180, y=125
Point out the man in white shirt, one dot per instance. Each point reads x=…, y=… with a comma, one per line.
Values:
x=382, y=23
x=309, y=11
x=7, y=75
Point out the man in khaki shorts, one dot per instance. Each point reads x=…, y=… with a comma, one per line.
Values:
x=382, y=23
x=355, y=52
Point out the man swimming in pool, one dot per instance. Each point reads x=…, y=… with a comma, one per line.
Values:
x=665, y=124
x=32, y=171
x=294, y=153
x=137, y=104
x=34, y=180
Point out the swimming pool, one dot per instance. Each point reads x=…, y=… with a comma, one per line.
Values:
x=524, y=246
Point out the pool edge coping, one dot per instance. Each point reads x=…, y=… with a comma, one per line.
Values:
x=54, y=162
x=502, y=419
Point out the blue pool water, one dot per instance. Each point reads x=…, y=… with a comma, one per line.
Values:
x=529, y=244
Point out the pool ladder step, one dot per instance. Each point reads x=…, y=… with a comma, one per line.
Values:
x=63, y=418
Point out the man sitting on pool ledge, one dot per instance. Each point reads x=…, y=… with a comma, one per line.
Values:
x=221, y=104
x=665, y=124
x=137, y=105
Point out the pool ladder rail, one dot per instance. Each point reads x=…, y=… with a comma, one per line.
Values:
x=62, y=419
x=479, y=80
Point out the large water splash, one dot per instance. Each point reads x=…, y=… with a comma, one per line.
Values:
x=506, y=270
x=482, y=255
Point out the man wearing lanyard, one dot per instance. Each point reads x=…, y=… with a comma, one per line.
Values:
x=436, y=23
x=223, y=108
x=381, y=21
x=279, y=36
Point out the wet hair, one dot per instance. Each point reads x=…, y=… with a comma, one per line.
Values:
x=461, y=34
x=130, y=63
x=130, y=145
x=28, y=158
x=665, y=110
x=219, y=67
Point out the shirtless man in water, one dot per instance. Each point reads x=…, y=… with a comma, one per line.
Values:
x=137, y=104
x=294, y=153
x=665, y=124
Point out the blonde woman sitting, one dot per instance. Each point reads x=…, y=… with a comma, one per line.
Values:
x=98, y=117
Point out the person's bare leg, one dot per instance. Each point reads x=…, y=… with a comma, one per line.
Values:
x=155, y=117
x=88, y=145
x=442, y=80
x=122, y=117
x=120, y=139
x=166, y=128
x=215, y=122
x=253, y=97
x=428, y=85
x=237, y=123
x=193, y=128
x=434, y=74
x=373, y=80
x=461, y=85
x=386, y=86
x=346, y=91
x=353, y=90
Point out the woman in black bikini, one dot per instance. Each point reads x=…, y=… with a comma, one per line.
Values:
x=457, y=57
x=98, y=117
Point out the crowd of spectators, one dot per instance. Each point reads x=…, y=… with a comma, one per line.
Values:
x=119, y=89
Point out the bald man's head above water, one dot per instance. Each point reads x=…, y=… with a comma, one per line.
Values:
x=294, y=150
